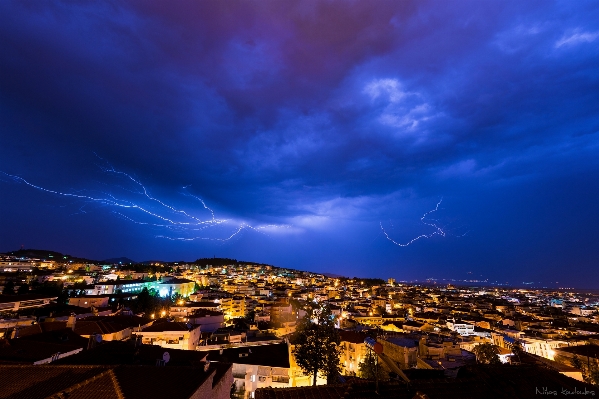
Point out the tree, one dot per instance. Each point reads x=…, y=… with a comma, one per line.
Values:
x=576, y=362
x=316, y=344
x=23, y=289
x=176, y=297
x=517, y=349
x=487, y=353
x=9, y=288
x=368, y=367
x=250, y=316
x=590, y=371
x=147, y=301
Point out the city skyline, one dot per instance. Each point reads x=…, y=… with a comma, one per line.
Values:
x=407, y=140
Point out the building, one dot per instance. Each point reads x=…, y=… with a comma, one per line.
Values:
x=542, y=347
x=402, y=350
x=353, y=351
x=174, y=335
x=256, y=366
x=186, y=310
x=173, y=286
x=233, y=307
x=208, y=319
x=88, y=301
x=460, y=327
x=14, y=303
x=119, y=286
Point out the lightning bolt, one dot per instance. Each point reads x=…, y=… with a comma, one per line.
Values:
x=158, y=213
x=431, y=222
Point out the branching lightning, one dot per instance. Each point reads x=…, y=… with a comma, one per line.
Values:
x=183, y=225
x=438, y=230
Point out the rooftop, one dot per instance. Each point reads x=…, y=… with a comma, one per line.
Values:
x=125, y=352
x=102, y=382
x=273, y=355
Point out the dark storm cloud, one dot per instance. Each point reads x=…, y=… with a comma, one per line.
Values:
x=326, y=117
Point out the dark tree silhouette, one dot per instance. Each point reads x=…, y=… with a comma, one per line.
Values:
x=9, y=288
x=487, y=353
x=23, y=289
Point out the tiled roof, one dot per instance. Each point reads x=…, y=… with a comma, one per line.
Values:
x=159, y=382
x=33, y=382
x=104, y=385
x=38, y=347
x=101, y=382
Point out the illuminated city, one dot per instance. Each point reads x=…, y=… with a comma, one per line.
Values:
x=299, y=199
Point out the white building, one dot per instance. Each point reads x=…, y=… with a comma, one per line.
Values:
x=257, y=366
x=543, y=347
x=460, y=327
x=121, y=286
x=174, y=335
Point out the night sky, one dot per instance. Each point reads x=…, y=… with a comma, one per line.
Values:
x=446, y=139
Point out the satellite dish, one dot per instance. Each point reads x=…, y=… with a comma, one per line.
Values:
x=166, y=357
x=98, y=338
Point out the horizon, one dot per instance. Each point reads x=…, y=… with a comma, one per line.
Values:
x=425, y=282
x=412, y=140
